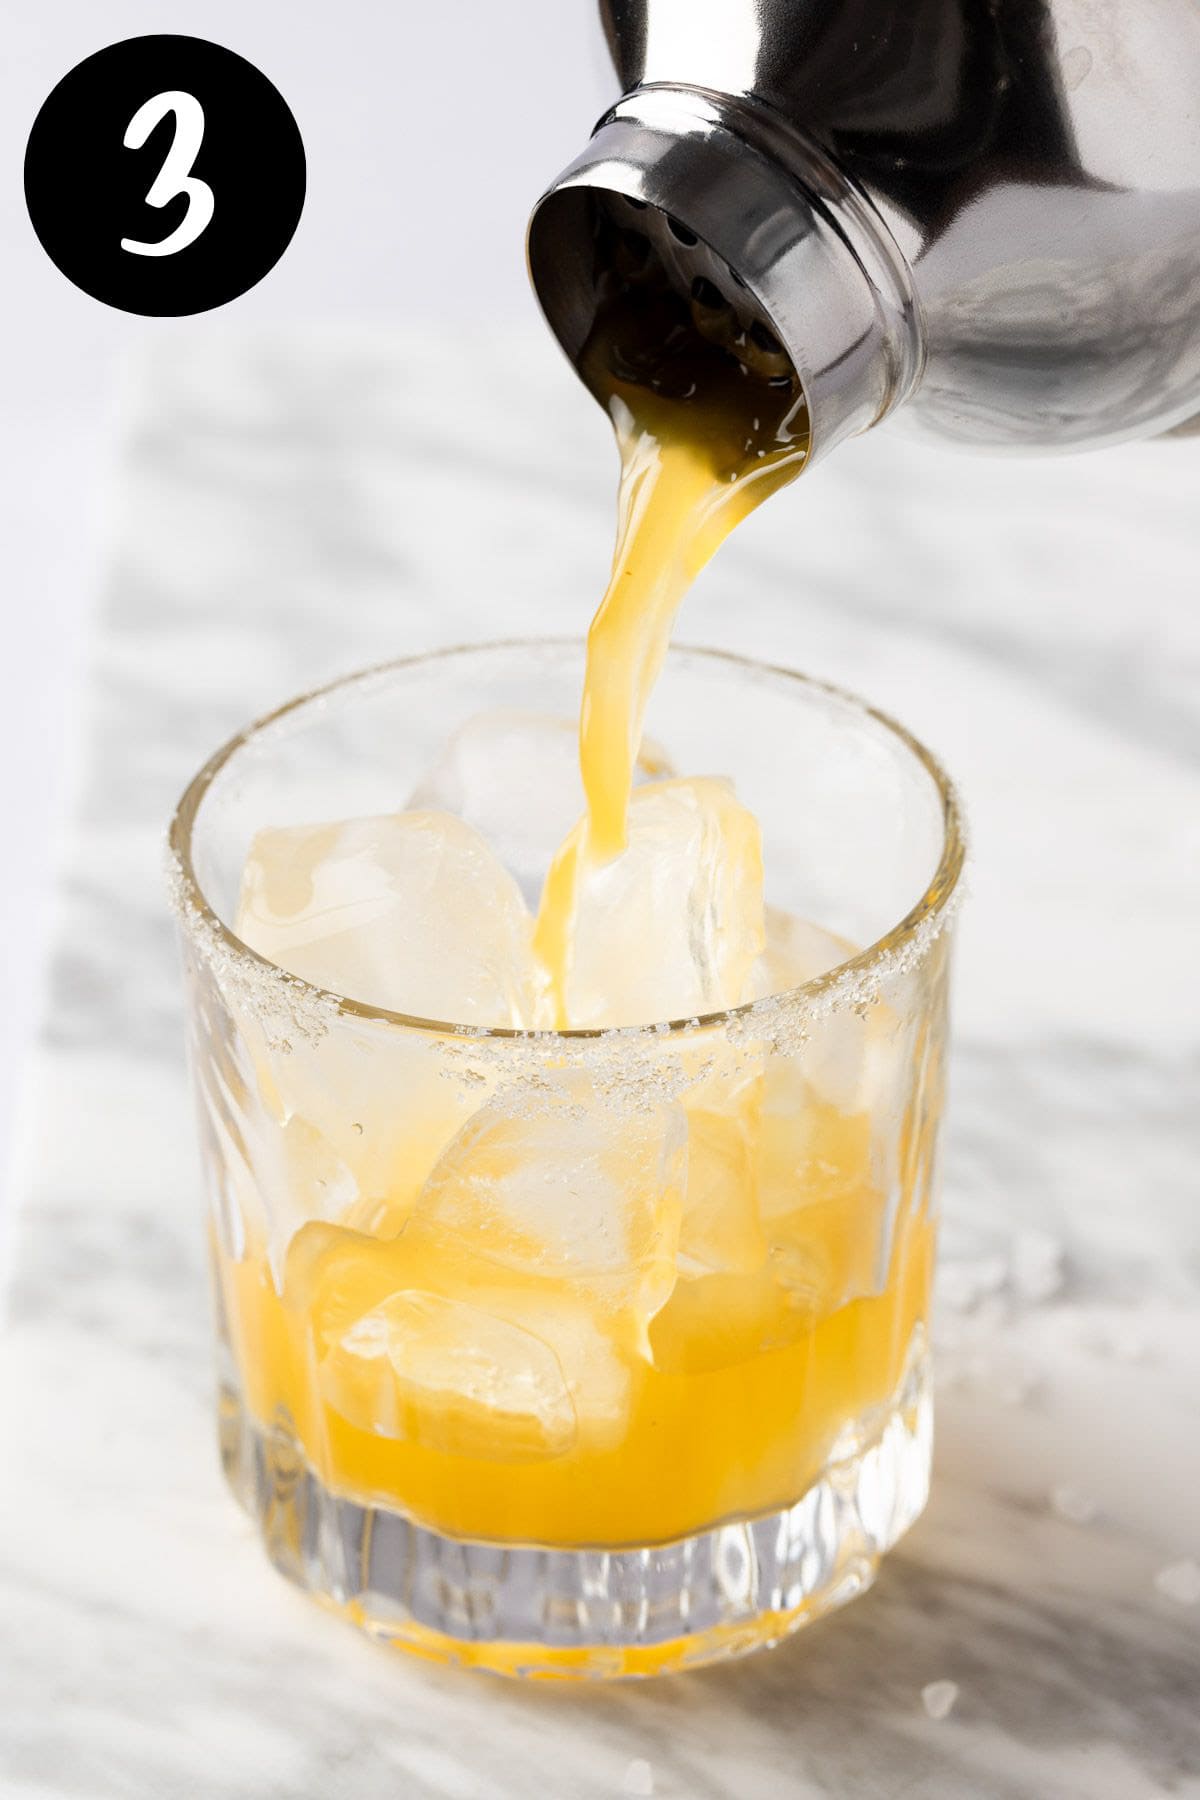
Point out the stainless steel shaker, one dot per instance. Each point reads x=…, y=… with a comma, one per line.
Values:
x=982, y=214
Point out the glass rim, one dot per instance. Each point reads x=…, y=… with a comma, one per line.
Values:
x=902, y=945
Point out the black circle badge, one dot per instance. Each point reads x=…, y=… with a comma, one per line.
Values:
x=165, y=175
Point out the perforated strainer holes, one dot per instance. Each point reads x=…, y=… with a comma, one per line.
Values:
x=633, y=254
x=681, y=232
x=706, y=293
x=763, y=352
x=714, y=316
x=670, y=301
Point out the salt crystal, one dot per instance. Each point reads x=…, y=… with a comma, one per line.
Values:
x=1037, y=1266
x=1180, y=1581
x=1073, y=1504
x=938, y=1698
x=638, y=1777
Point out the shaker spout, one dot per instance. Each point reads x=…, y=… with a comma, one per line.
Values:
x=983, y=220
x=801, y=263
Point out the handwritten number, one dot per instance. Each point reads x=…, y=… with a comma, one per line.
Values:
x=175, y=176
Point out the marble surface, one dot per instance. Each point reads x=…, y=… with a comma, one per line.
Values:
x=294, y=507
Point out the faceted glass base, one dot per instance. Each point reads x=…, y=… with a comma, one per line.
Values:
x=518, y=1610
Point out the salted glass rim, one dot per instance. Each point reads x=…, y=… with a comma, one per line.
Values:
x=904, y=943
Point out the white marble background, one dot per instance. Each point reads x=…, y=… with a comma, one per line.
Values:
x=293, y=507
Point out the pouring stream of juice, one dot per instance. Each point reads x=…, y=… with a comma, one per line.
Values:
x=702, y=442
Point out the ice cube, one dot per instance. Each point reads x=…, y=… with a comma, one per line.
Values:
x=408, y=911
x=451, y=1377
x=335, y=1275
x=715, y=1322
x=858, y=1058
x=671, y=927
x=795, y=951
x=380, y=1104
x=596, y=1372
x=300, y=1178
x=810, y=1152
x=514, y=776
x=579, y=1193
x=719, y=1232
x=823, y=1211
x=851, y=1059
x=423, y=1368
x=854, y=1058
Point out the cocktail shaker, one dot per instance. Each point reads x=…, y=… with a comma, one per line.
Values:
x=982, y=215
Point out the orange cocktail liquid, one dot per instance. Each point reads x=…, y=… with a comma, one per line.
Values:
x=737, y=1387
x=733, y=1414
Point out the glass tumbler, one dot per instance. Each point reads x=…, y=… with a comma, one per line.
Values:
x=587, y=1352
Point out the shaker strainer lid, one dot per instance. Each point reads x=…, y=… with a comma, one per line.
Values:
x=640, y=247
x=773, y=255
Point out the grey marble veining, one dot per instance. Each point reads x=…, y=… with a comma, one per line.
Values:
x=294, y=508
